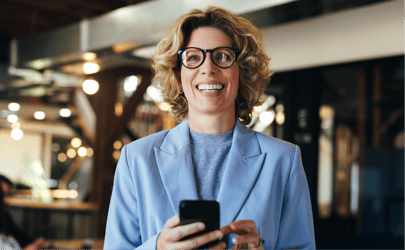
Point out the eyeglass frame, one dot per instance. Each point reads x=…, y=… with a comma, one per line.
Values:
x=204, y=51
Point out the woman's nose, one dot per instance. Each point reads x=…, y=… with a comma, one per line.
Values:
x=208, y=67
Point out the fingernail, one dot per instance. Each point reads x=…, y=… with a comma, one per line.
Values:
x=234, y=241
x=200, y=225
x=218, y=234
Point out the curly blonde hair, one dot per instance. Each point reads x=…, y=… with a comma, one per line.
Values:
x=254, y=72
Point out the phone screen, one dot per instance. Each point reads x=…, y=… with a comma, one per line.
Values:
x=200, y=211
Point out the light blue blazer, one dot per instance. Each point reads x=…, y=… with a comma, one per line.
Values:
x=263, y=181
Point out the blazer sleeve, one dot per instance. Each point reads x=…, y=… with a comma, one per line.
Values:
x=123, y=229
x=296, y=226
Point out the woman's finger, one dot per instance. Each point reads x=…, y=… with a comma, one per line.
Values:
x=229, y=230
x=247, y=225
x=240, y=247
x=247, y=239
x=226, y=229
x=254, y=247
x=208, y=237
x=221, y=245
x=173, y=221
x=198, y=241
x=186, y=230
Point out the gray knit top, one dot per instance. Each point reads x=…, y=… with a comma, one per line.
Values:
x=209, y=153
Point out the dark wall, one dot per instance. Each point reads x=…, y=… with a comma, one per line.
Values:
x=4, y=49
x=383, y=190
x=379, y=223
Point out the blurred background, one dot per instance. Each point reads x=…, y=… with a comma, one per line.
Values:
x=75, y=88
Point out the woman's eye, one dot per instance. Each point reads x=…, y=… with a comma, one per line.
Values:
x=193, y=58
x=223, y=57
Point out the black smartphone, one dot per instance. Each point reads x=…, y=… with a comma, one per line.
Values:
x=200, y=211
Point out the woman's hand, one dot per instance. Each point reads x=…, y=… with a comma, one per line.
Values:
x=248, y=237
x=172, y=233
x=39, y=243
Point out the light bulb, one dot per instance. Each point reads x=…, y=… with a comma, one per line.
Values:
x=76, y=142
x=12, y=118
x=71, y=153
x=62, y=157
x=267, y=117
x=89, y=152
x=14, y=106
x=39, y=115
x=90, y=87
x=82, y=151
x=17, y=134
x=89, y=56
x=131, y=83
x=65, y=112
x=90, y=68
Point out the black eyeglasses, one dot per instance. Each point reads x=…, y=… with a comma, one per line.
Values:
x=222, y=57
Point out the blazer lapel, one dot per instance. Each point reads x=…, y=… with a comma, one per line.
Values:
x=175, y=166
x=242, y=169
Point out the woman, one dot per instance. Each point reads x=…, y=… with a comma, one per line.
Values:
x=212, y=69
x=9, y=232
x=7, y=241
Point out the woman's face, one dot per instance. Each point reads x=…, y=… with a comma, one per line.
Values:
x=6, y=189
x=208, y=75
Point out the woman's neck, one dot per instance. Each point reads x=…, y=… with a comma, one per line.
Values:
x=211, y=124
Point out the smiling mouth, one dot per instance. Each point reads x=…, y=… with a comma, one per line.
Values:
x=210, y=87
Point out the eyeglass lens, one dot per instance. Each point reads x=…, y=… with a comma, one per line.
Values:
x=222, y=57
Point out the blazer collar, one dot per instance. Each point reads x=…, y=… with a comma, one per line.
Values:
x=175, y=166
x=176, y=139
x=243, y=138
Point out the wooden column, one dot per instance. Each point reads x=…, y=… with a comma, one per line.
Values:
x=46, y=154
x=108, y=129
x=104, y=101
x=343, y=170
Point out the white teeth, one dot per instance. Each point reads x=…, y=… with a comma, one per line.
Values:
x=210, y=88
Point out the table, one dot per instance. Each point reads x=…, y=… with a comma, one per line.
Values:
x=71, y=208
x=76, y=244
x=54, y=205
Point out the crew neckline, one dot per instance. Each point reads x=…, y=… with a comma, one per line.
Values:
x=207, y=139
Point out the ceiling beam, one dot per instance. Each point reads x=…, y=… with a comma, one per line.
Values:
x=25, y=19
x=28, y=108
x=59, y=7
x=6, y=7
x=55, y=128
x=48, y=5
x=90, y=5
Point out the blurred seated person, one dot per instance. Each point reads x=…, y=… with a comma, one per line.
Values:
x=7, y=241
x=10, y=234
